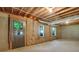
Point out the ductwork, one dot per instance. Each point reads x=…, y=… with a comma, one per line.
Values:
x=76, y=17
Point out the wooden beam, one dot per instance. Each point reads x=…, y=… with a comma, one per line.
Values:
x=73, y=12
x=12, y=11
x=37, y=9
x=66, y=13
x=26, y=12
x=41, y=10
x=21, y=10
x=60, y=12
x=29, y=11
x=42, y=13
x=3, y=9
x=33, y=10
x=55, y=10
x=70, y=15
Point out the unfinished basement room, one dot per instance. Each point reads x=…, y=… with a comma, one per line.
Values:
x=39, y=29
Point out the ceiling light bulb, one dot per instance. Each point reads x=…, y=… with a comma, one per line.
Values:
x=67, y=22
x=49, y=9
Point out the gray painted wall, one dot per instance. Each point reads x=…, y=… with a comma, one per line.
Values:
x=70, y=32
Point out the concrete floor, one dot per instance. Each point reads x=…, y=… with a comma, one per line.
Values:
x=51, y=46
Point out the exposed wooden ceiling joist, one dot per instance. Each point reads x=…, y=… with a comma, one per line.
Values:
x=54, y=10
x=42, y=12
x=38, y=11
x=3, y=9
x=12, y=11
x=21, y=10
x=71, y=13
x=25, y=9
x=67, y=13
x=55, y=14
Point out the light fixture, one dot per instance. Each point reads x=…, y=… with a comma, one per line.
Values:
x=67, y=22
x=49, y=9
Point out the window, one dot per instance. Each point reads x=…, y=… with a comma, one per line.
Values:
x=41, y=31
x=53, y=31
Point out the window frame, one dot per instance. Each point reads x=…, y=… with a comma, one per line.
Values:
x=55, y=29
x=43, y=30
